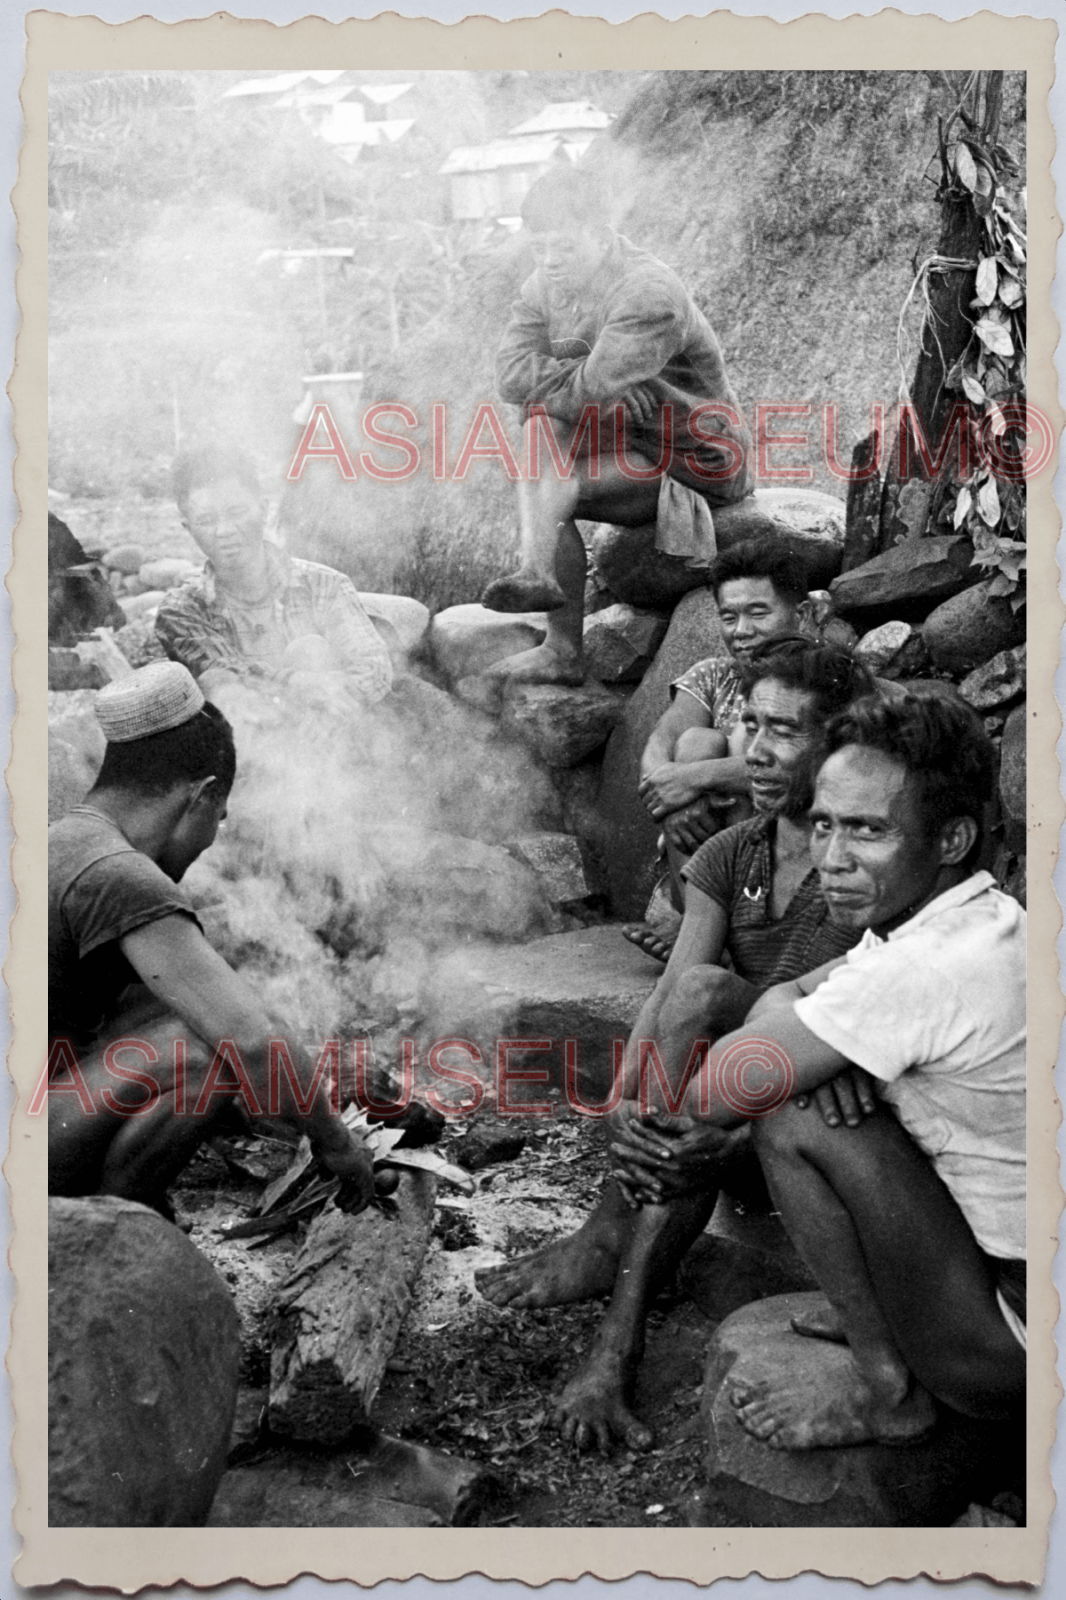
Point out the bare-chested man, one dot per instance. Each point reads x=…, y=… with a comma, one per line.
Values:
x=599, y=325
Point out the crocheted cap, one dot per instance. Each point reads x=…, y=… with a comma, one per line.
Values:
x=162, y=695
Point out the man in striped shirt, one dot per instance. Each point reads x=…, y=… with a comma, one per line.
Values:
x=753, y=892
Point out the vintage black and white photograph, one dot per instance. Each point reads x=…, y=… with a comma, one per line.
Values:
x=536, y=610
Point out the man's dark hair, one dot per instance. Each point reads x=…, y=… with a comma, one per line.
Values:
x=211, y=463
x=565, y=197
x=761, y=558
x=941, y=741
x=832, y=675
x=203, y=747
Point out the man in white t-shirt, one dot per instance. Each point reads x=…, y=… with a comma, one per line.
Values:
x=913, y=1222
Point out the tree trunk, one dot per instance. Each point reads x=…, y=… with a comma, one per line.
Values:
x=908, y=507
x=340, y=1311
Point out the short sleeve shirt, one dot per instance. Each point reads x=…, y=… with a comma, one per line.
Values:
x=734, y=868
x=715, y=683
x=936, y=1012
x=99, y=889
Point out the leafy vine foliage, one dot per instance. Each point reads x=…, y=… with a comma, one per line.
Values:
x=989, y=375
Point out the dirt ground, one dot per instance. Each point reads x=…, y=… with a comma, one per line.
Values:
x=467, y=1378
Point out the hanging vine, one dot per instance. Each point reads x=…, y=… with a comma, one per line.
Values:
x=989, y=376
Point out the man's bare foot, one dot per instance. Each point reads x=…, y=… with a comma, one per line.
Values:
x=789, y=1412
x=645, y=938
x=545, y=664
x=592, y=1409
x=579, y=1267
x=524, y=590
x=820, y=1322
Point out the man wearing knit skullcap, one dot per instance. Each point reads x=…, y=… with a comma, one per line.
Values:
x=128, y=960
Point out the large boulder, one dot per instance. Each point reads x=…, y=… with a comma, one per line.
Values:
x=556, y=859
x=627, y=832
x=464, y=640
x=926, y=1484
x=588, y=985
x=996, y=684
x=971, y=628
x=561, y=725
x=802, y=520
x=621, y=641
x=907, y=581
x=167, y=572
x=402, y=621
x=143, y=1359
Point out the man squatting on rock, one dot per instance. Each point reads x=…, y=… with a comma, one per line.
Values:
x=754, y=897
x=601, y=324
x=912, y=1216
x=693, y=776
x=127, y=958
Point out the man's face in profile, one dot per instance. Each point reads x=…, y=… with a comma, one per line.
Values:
x=570, y=256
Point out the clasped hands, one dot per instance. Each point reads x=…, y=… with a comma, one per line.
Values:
x=660, y=1157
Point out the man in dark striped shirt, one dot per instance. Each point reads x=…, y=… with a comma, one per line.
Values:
x=754, y=895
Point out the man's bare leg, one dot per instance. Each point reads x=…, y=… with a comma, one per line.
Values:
x=552, y=564
x=595, y=1405
x=582, y=1266
x=898, y=1263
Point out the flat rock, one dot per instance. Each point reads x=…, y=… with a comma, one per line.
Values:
x=67, y=670
x=997, y=683
x=805, y=521
x=562, y=725
x=125, y=558
x=137, y=607
x=143, y=1358
x=971, y=628
x=908, y=580
x=556, y=859
x=464, y=640
x=1012, y=766
x=489, y=1142
x=928, y=1484
x=880, y=646
x=628, y=833
x=168, y=572
x=621, y=641
x=588, y=985
x=408, y=620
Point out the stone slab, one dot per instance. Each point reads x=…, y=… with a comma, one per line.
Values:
x=927, y=1484
x=589, y=985
x=561, y=725
x=621, y=641
x=971, y=628
x=556, y=859
x=908, y=580
x=464, y=640
x=406, y=621
x=997, y=683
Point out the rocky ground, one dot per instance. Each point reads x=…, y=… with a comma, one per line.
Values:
x=467, y=1378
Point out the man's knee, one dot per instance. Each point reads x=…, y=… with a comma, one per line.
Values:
x=788, y=1130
